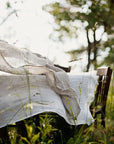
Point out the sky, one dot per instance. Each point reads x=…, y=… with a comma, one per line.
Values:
x=30, y=28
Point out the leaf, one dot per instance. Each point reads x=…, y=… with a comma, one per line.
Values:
x=29, y=130
x=101, y=141
x=70, y=109
x=25, y=139
x=49, y=141
x=35, y=138
x=70, y=141
x=80, y=90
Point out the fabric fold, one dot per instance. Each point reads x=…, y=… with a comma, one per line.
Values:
x=22, y=61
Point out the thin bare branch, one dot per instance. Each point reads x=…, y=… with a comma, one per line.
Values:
x=4, y=20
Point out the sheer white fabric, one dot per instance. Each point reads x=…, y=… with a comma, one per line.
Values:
x=32, y=85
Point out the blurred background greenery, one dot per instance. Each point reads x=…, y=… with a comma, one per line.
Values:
x=86, y=26
x=96, y=18
x=82, y=29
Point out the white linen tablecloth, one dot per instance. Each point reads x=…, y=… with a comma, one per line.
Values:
x=18, y=61
x=20, y=100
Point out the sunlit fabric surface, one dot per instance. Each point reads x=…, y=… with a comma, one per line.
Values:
x=32, y=85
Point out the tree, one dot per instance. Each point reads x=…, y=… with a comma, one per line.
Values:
x=94, y=15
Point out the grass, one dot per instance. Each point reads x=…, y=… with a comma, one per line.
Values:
x=52, y=129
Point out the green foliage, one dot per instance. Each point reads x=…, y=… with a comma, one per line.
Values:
x=71, y=110
x=52, y=129
x=93, y=15
x=109, y=60
x=41, y=134
x=32, y=136
x=44, y=133
x=12, y=135
x=46, y=129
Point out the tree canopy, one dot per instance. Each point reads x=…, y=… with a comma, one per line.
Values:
x=94, y=15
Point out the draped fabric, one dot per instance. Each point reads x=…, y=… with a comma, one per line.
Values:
x=23, y=62
x=23, y=96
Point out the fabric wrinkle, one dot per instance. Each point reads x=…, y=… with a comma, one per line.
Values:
x=35, y=64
